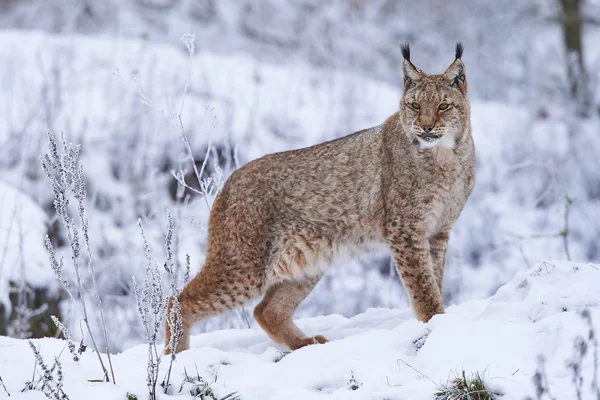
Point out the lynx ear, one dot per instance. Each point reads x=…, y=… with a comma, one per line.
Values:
x=411, y=74
x=455, y=74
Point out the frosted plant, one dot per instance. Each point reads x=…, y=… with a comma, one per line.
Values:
x=591, y=336
x=582, y=346
x=151, y=304
x=462, y=387
x=59, y=394
x=68, y=337
x=67, y=179
x=52, y=386
x=201, y=388
x=174, y=317
x=20, y=327
x=540, y=380
x=209, y=186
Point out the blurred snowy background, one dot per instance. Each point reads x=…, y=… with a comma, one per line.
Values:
x=271, y=75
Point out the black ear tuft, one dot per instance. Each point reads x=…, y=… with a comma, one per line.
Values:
x=405, y=51
x=459, y=50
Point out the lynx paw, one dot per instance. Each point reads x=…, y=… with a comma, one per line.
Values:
x=318, y=339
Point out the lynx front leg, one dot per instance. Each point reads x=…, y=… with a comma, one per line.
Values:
x=411, y=252
x=439, y=244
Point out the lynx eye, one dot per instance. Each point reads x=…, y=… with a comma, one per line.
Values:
x=415, y=106
x=443, y=106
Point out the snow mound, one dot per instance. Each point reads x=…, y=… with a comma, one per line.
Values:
x=22, y=231
x=381, y=354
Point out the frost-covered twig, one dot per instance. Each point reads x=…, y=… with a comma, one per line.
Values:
x=585, y=314
x=574, y=364
x=416, y=370
x=67, y=178
x=208, y=187
x=582, y=346
x=4, y=387
x=174, y=317
x=564, y=233
x=80, y=194
x=68, y=337
x=540, y=380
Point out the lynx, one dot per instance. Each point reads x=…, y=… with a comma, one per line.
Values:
x=280, y=220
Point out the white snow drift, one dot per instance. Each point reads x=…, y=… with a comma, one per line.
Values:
x=383, y=354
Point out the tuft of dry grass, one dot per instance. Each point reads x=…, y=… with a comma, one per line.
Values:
x=200, y=388
x=463, y=388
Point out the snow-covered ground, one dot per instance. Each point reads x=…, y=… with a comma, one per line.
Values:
x=382, y=353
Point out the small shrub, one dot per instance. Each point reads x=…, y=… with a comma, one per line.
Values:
x=200, y=388
x=67, y=178
x=48, y=383
x=463, y=388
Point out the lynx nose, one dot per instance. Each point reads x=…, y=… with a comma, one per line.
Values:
x=427, y=128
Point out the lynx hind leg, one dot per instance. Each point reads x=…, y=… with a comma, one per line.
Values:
x=274, y=312
x=212, y=291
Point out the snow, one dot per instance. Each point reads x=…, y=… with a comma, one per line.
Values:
x=22, y=250
x=388, y=353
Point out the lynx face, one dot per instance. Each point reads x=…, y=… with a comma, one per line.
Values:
x=434, y=108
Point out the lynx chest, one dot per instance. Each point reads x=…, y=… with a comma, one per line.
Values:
x=448, y=186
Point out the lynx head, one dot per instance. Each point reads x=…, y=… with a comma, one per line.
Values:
x=434, y=110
